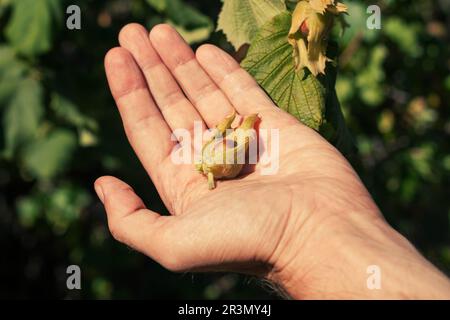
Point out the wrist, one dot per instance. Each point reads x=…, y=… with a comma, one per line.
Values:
x=342, y=257
x=311, y=263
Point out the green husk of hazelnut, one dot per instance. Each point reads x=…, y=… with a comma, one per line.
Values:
x=223, y=156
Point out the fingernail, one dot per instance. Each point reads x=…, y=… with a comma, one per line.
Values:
x=99, y=192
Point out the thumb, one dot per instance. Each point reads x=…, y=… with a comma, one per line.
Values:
x=130, y=222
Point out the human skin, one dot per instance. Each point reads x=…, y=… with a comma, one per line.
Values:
x=312, y=229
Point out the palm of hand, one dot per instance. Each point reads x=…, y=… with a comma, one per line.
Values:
x=245, y=223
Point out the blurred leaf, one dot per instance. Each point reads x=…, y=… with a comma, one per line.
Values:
x=338, y=133
x=33, y=24
x=447, y=83
x=23, y=115
x=364, y=145
x=356, y=24
x=50, y=155
x=12, y=72
x=193, y=36
x=241, y=19
x=341, y=137
x=446, y=163
x=420, y=115
x=193, y=25
x=356, y=20
x=186, y=16
x=4, y=5
x=29, y=210
x=409, y=187
x=61, y=204
x=159, y=5
x=87, y=138
x=102, y=288
x=404, y=35
x=386, y=121
x=270, y=61
x=69, y=112
x=64, y=206
x=370, y=79
x=344, y=88
x=421, y=160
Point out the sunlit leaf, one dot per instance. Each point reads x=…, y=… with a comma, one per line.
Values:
x=241, y=19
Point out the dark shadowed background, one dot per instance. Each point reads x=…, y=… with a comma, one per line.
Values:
x=60, y=131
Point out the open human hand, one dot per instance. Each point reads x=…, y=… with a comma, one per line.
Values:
x=283, y=226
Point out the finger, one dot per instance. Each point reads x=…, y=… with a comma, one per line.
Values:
x=143, y=123
x=146, y=129
x=209, y=100
x=240, y=88
x=130, y=222
x=174, y=106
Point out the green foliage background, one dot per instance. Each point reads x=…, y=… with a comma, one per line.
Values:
x=60, y=130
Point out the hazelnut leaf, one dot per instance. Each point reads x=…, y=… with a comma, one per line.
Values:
x=270, y=61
